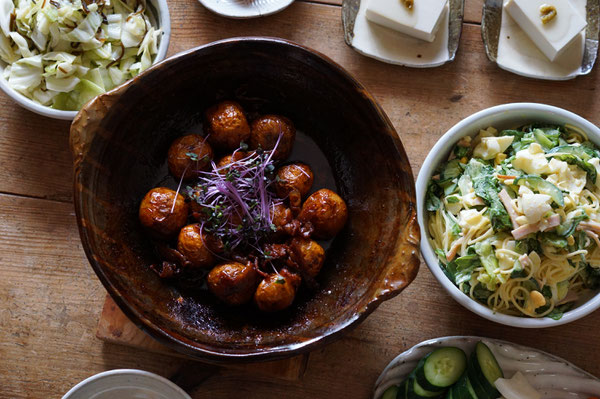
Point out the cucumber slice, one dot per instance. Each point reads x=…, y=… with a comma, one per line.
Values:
x=463, y=389
x=449, y=394
x=402, y=390
x=485, y=369
x=415, y=391
x=441, y=368
x=477, y=386
x=390, y=393
x=543, y=186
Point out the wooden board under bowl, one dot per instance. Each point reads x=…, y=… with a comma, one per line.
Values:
x=114, y=327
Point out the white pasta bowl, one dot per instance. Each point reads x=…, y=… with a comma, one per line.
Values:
x=160, y=12
x=500, y=117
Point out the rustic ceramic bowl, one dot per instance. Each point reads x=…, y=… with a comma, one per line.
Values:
x=120, y=141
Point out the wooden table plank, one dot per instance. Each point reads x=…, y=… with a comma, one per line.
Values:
x=50, y=299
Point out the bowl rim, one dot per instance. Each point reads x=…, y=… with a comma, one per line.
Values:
x=469, y=127
x=210, y=353
x=164, y=21
x=126, y=372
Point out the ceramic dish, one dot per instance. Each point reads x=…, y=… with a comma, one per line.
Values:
x=120, y=141
x=508, y=46
x=500, y=117
x=552, y=376
x=243, y=9
x=126, y=383
x=386, y=45
x=160, y=12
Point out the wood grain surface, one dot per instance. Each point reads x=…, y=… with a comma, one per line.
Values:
x=50, y=299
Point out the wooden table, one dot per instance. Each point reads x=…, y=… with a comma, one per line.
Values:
x=50, y=298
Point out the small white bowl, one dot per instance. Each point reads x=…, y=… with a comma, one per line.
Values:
x=161, y=10
x=501, y=117
x=126, y=383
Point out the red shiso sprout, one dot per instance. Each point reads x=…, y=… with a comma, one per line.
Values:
x=237, y=200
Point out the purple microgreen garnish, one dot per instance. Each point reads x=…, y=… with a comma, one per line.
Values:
x=237, y=200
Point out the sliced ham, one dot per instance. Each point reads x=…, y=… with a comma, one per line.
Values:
x=591, y=226
x=593, y=235
x=454, y=249
x=525, y=230
x=525, y=261
x=507, y=202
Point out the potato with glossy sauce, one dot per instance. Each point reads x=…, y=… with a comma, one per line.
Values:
x=163, y=212
x=233, y=283
x=308, y=254
x=188, y=156
x=226, y=126
x=277, y=291
x=193, y=244
x=327, y=212
x=294, y=181
x=265, y=132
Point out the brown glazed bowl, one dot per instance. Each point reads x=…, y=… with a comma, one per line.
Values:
x=120, y=141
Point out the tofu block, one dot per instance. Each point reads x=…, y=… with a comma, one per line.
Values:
x=555, y=35
x=421, y=22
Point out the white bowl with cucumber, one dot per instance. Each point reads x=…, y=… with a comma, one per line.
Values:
x=465, y=367
x=496, y=218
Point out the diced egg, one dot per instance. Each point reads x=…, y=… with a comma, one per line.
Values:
x=468, y=218
x=553, y=36
x=421, y=21
x=567, y=177
x=489, y=147
x=535, y=206
x=531, y=160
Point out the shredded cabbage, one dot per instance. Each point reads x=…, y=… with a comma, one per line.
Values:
x=62, y=53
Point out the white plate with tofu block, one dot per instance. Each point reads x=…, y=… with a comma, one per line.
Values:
x=543, y=39
x=413, y=33
x=465, y=365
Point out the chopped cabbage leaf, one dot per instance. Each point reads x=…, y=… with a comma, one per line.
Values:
x=62, y=53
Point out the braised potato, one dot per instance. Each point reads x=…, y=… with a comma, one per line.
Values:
x=308, y=254
x=266, y=130
x=163, y=212
x=193, y=245
x=294, y=181
x=227, y=126
x=233, y=283
x=326, y=211
x=189, y=155
x=277, y=291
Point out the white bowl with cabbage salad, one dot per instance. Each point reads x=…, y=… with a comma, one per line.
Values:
x=509, y=209
x=56, y=55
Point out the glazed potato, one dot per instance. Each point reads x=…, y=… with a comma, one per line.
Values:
x=227, y=126
x=229, y=159
x=308, y=254
x=193, y=245
x=326, y=211
x=294, y=182
x=158, y=214
x=265, y=132
x=277, y=291
x=233, y=283
x=182, y=163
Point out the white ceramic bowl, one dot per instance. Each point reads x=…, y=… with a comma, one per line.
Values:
x=160, y=11
x=501, y=117
x=124, y=384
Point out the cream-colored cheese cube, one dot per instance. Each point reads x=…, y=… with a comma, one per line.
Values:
x=551, y=37
x=421, y=22
x=492, y=146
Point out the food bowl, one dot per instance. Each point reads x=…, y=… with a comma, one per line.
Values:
x=500, y=117
x=159, y=10
x=120, y=141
